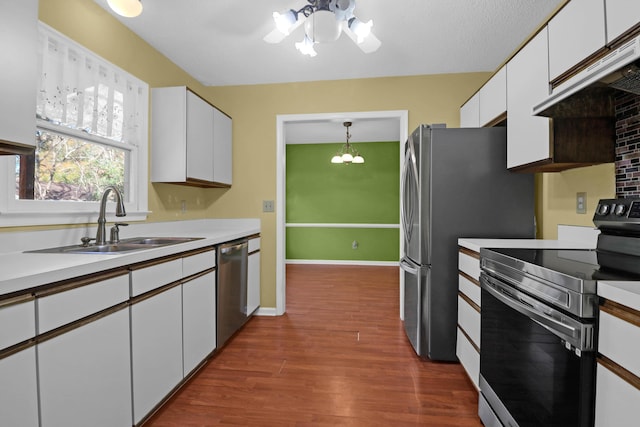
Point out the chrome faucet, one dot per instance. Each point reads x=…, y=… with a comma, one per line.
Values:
x=102, y=220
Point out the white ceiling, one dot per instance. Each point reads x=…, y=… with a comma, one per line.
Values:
x=220, y=42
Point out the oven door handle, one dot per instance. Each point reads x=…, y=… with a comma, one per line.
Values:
x=577, y=334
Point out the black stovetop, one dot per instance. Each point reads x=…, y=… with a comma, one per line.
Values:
x=582, y=264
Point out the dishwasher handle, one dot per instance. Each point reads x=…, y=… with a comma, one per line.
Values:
x=233, y=247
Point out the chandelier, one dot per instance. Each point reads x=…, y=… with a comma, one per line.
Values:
x=347, y=154
x=324, y=21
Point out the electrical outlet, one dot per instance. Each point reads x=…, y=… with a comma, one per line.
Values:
x=183, y=206
x=267, y=206
x=354, y=245
x=581, y=203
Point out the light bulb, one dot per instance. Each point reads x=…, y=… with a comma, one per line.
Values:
x=360, y=29
x=126, y=8
x=306, y=47
x=285, y=20
x=347, y=158
x=358, y=159
x=336, y=159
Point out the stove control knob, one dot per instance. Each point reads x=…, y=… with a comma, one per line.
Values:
x=603, y=209
x=620, y=210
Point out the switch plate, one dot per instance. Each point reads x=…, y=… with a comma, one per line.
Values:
x=267, y=206
x=581, y=203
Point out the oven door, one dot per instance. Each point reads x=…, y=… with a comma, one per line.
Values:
x=537, y=365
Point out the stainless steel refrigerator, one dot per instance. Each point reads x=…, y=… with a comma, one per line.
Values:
x=454, y=184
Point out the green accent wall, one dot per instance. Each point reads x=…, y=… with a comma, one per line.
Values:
x=319, y=192
x=374, y=244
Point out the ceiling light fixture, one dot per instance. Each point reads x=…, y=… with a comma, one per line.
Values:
x=324, y=21
x=347, y=154
x=126, y=8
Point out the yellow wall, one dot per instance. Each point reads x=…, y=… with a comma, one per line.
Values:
x=556, y=196
x=429, y=99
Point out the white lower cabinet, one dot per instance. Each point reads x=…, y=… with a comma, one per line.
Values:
x=253, y=277
x=85, y=375
x=617, y=401
x=19, y=389
x=469, y=357
x=199, y=320
x=468, y=332
x=156, y=349
x=618, y=372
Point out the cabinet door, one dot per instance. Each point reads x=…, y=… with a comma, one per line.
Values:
x=617, y=401
x=527, y=84
x=168, y=134
x=19, y=389
x=199, y=138
x=156, y=349
x=621, y=16
x=85, y=375
x=253, y=282
x=576, y=32
x=199, y=319
x=493, y=97
x=470, y=113
x=222, y=147
x=18, y=48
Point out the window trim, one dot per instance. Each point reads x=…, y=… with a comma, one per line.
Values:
x=14, y=213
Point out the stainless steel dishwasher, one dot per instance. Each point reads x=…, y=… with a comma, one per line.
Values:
x=231, y=289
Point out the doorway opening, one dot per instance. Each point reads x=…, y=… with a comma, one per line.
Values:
x=317, y=128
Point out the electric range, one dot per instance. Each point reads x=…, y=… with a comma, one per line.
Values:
x=539, y=322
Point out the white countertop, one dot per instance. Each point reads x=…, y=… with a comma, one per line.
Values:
x=20, y=271
x=476, y=244
x=625, y=293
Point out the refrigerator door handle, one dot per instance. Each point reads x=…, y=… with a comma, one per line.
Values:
x=405, y=266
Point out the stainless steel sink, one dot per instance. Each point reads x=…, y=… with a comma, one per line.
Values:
x=126, y=245
x=157, y=241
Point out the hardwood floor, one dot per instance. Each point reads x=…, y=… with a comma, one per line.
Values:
x=338, y=357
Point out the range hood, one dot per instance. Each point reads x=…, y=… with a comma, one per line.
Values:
x=589, y=92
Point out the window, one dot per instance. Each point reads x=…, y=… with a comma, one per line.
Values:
x=91, y=132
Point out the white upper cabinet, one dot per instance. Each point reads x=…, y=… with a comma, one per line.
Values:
x=18, y=50
x=199, y=138
x=621, y=16
x=528, y=83
x=222, y=148
x=493, y=97
x=470, y=113
x=575, y=33
x=191, y=140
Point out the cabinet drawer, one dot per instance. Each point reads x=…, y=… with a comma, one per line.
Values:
x=17, y=323
x=196, y=263
x=469, y=265
x=254, y=244
x=469, y=288
x=617, y=401
x=469, y=320
x=619, y=341
x=469, y=357
x=152, y=277
x=65, y=307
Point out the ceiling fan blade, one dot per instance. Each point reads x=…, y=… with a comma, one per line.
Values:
x=370, y=44
x=276, y=36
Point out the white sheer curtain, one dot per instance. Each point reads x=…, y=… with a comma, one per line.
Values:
x=79, y=90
